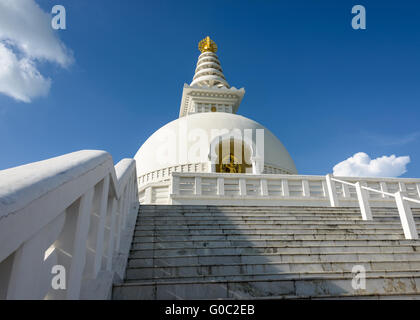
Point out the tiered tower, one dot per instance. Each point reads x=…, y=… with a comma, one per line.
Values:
x=209, y=104
x=209, y=91
x=209, y=72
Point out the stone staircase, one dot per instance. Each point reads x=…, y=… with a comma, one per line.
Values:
x=232, y=252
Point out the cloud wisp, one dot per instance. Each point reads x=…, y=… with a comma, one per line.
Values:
x=361, y=165
x=27, y=38
x=392, y=140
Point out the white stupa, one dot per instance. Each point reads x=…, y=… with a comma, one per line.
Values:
x=209, y=136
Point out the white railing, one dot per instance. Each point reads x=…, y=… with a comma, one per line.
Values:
x=289, y=190
x=404, y=210
x=71, y=215
x=279, y=189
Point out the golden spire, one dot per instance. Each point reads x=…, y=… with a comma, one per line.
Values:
x=207, y=45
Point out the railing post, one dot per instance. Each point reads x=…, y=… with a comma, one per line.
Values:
x=305, y=188
x=401, y=186
x=148, y=195
x=118, y=223
x=384, y=188
x=242, y=187
x=346, y=191
x=264, y=187
x=112, y=207
x=175, y=185
x=103, y=209
x=406, y=216
x=125, y=207
x=79, y=248
x=285, y=188
x=220, y=186
x=362, y=197
x=197, y=189
x=332, y=192
x=30, y=276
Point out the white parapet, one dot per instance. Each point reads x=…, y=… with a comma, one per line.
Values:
x=69, y=216
x=289, y=190
x=272, y=190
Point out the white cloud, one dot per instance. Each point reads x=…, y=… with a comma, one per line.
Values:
x=19, y=78
x=361, y=165
x=27, y=38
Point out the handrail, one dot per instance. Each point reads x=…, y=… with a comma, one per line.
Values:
x=71, y=211
x=411, y=199
x=404, y=210
x=375, y=190
x=363, y=187
x=379, y=191
x=344, y=182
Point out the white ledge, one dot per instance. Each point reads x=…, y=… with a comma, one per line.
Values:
x=21, y=185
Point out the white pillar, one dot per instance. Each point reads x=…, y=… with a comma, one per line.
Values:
x=125, y=207
x=285, y=188
x=264, y=187
x=242, y=187
x=79, y=250
x=30, y=276
x=103, y=206
x=384, y=188
x=406, y=216
x=402, y=187
x=332, y=192
x=346, y=192
x=305, y=188
x=148, y=195
x=112, y=208
x=197, y=190
x=363, y=198
x=220, y=186
x=175, y=185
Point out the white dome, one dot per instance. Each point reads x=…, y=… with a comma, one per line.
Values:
x=170, y=145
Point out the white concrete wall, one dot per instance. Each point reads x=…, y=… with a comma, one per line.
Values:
x=74, y=211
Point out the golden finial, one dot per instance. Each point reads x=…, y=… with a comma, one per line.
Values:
x=207, y=45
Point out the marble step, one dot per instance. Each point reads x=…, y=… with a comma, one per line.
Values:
x=267, y=243
x=357, y=296
x=271, y=231
x=277, y=237
x=280, y=216
x=197, y=208
x=274, y=221
x=248, y=289
x=269, y=226
x=236, y=208
x=177, y=272
x=251, y=250
x=303, y=211
x=269, y=257
x=370, y=296
x=279, y=276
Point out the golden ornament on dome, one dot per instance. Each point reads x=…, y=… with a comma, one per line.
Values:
x=207, y=45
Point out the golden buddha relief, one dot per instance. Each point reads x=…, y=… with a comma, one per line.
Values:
x=229, y=162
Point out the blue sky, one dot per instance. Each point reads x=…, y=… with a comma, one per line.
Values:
x=325, y=90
